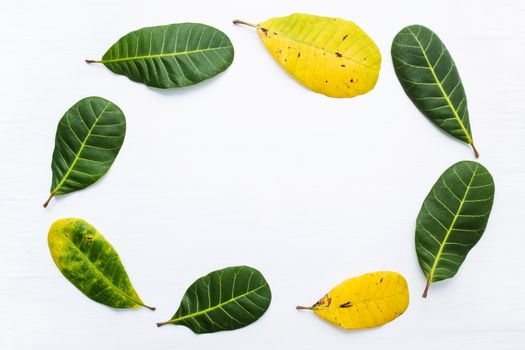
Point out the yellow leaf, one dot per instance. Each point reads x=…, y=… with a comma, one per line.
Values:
x=366, y=301
x=331, y=56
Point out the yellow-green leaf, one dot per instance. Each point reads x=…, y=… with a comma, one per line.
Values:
x=90, y=263
x=331, y=56
x=366, y=301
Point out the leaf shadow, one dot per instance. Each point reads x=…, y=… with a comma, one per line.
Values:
x=144, y=309
x=350, y=331
x=184, y=90
x=178, y=91
x=55, y=201
x=435, y=126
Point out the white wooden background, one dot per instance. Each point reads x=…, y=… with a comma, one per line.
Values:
x=251, y=168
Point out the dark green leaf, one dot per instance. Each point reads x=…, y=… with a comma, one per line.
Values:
x=452, y=219
x=223, y=300
x=430, y=78
x=88, y=261
x=88, y=139
x=170, y=56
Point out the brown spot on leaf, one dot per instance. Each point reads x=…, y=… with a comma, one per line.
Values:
x=346, y=305
x=298, y=54
x=352, y=80
x=346, y=36
x=338, y=54
x=343, y=65
x=265, y=31
x=89, y=238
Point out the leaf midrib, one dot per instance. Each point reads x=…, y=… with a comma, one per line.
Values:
x=220, y=305
x=316, y=47
x=163, y=55
x=81, y=148
x=445, y=95
x=360, y=302
x=101, y=274
x=451, y=228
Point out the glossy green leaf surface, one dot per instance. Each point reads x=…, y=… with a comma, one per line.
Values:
x=88, y=139
x=170, y=56
x=91, y=264
x=431, y=80
x=452, y=219
x=223, y=300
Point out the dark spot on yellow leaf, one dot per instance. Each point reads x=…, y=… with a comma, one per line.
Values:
x=326, y=81
x=298, y=55
x=343, y=65
x=352, y=80
x=346, y=305
x=265, y=31
x=346, y=36
x=338, y=54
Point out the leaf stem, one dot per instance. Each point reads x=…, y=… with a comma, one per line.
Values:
x=49, y=199
x=425, y=292
x=476, y=153
x=238, y=21
x=299, y=307
x=160, y=324
x=92, y=61
x=152, y=308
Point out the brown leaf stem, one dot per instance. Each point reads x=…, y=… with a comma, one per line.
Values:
x=49, y=199
x=238, y=21
x=299, y=307
x=476, y=153
x=160, y=324
x=425, y=292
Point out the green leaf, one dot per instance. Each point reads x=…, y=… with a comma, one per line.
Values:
x=430, y=78
x=88, y=139
x=169, y=56
x=223, y=300
x=88, y=261
x=452, y=219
